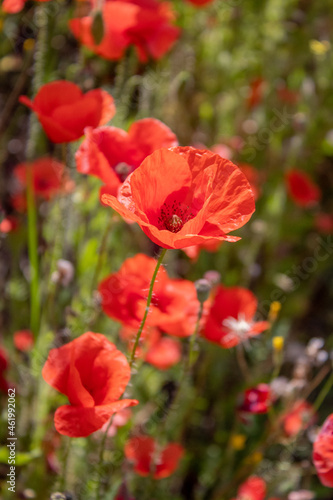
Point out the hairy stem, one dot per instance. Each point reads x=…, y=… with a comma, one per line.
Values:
x=150, y=294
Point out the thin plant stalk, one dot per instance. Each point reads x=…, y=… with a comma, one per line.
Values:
x=33, y=255
x=101, y=456
x=101, y=254
x=150, y=295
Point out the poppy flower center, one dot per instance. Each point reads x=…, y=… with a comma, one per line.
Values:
x=174, y=224
x=173, y=217
x=123, y=170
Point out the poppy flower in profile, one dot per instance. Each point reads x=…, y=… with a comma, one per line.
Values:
x=149, y=458
x=323, y=453
x=93, y=374
x=157, y=350
x=174, y=308
x=183, y=196
x=4, y=386
x=257, y=399
x=48, y=176
x=298, y=418
x=23, y=340
x=146, y=24
x=230, y=320
x=302, y=189
x=112, y=154
x=64, y=111
x=254, y=488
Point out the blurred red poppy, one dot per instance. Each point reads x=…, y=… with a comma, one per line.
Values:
x=146, y=24
x=174, y=306
x=112, y=154
x=193, y=251
x=23, y=340
x=183, y=196
x=324, y=223
x=64, y=111
x=118, y=420
x=254, y=488
x=157, y=350
x=298, y=418
x=302, y=189
x=287, y=95
x=200, y=3
x=4, y=386
x=253, y=176
x=222, y=150
x=8, y=224
x=323, y=453
x=231, y=318
x=93, y=374
x=142, y=451
x=14, y=6
x=255, y=94
x=257, y=399
x=48, y=175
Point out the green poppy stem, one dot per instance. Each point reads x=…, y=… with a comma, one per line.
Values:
x=150, y=294
x=33, y=255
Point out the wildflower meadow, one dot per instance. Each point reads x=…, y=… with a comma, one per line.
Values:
x=166, y=271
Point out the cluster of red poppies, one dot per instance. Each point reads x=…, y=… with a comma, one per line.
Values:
x=183, y=198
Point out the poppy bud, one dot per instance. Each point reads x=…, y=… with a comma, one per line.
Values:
x=203, y=288
x=97, y=27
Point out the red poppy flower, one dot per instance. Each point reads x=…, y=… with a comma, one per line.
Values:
x=112, y=154
x=146, y=24
x=323, y=453
x=300, y=417
x=48, y=175
x=324, y=223
x=157, y=350
x=64, y=111
x=23, y=340
x=142, y=451
x=200, y=3
x=93, y=374
x=257, y=399
x=230, y=319
x=174, y=306
x=8, y=224
x=302, y=189
x=183, y=196
x=254, y=488
x=193, y=251
x=4, y=386
x=14, y=6
x=287, y=95
x=255, y=93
